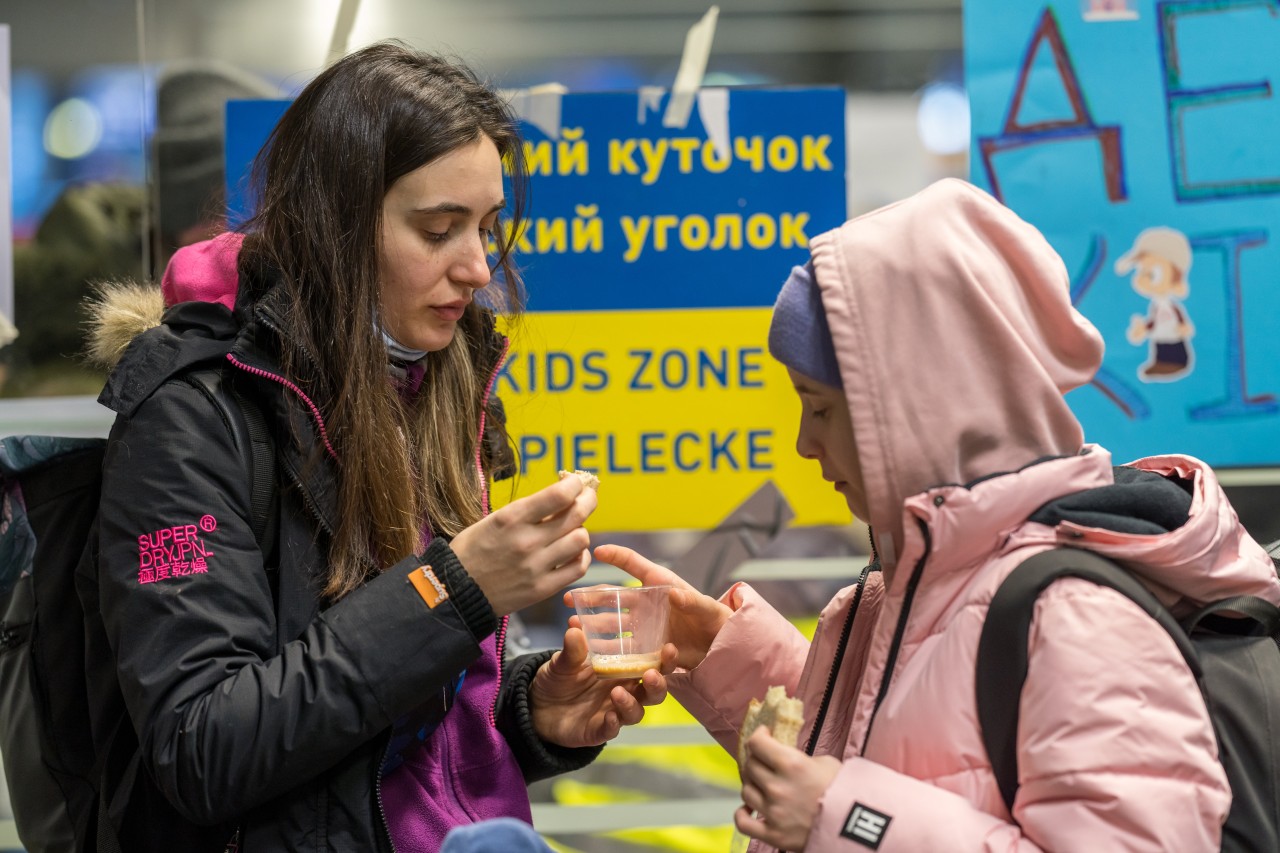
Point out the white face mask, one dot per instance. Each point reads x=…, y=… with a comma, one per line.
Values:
x=399, y=351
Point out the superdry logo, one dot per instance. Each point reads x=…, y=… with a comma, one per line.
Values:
x=174, y=551
x=866, y=826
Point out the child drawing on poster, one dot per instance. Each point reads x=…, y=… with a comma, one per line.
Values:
x=1160, y=260
x=1108, y=10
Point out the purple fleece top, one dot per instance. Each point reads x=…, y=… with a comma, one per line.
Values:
x=463, y=773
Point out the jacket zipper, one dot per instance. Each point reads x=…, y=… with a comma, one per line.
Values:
x=385, y=825
x=501, y=650
x=501, y=644
x=315, y=410
x=484, y=404
x=837, y=663
x=267, y=320
x=912, y=584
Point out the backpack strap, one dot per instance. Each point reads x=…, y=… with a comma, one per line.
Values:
x=1002, y=648
x=263, y=480
x=1265, y=616
x=249, y=425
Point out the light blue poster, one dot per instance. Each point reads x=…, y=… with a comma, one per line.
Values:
x=1141, y=138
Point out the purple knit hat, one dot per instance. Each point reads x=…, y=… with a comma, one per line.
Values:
x=798, y=334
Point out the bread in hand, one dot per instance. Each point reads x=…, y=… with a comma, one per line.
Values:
x=783, y=715
x=591, y=481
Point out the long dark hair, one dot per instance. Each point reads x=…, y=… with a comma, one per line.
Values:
x=319, y=183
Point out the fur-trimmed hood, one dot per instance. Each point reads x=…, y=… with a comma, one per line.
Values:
x=118, y=312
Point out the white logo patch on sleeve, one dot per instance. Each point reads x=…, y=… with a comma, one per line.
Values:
x=866, y=826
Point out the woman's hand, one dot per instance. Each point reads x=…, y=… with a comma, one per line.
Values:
x=695, y=618
x=573, y=708
x=532, y=547
x=781, y=789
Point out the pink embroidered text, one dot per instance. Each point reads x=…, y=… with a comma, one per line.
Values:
x=174, y=551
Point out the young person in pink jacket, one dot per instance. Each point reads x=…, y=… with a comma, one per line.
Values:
x=930, y=343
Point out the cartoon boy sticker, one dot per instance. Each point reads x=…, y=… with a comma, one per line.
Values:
x=1160, y=259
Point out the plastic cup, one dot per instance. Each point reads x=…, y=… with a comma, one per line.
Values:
x=626, y=627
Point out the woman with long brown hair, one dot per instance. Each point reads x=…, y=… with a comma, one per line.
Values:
x=310, y=651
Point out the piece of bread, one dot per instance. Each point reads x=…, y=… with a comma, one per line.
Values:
x=591, y=481
x=783, y=715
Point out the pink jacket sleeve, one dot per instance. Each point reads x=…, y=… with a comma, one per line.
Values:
x=756, y=649
x=868, y=802
x=1116, y=751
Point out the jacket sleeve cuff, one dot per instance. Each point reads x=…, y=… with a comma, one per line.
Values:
x=465, y=593
x=871, y=806
x=538, y=759
x=755, y=649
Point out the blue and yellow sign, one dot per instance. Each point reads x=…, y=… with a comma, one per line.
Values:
x=652, y=256
x=1139, y=136
x=652, y=259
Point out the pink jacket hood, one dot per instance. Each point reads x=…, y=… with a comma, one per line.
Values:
x=956, y=339
x=204, y=272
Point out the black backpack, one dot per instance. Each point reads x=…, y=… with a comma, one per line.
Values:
x=1232, y=647
x=57, y=726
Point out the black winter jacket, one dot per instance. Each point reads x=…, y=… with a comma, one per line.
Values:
x=261, y=712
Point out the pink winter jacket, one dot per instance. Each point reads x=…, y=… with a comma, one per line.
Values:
x=956, y=340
